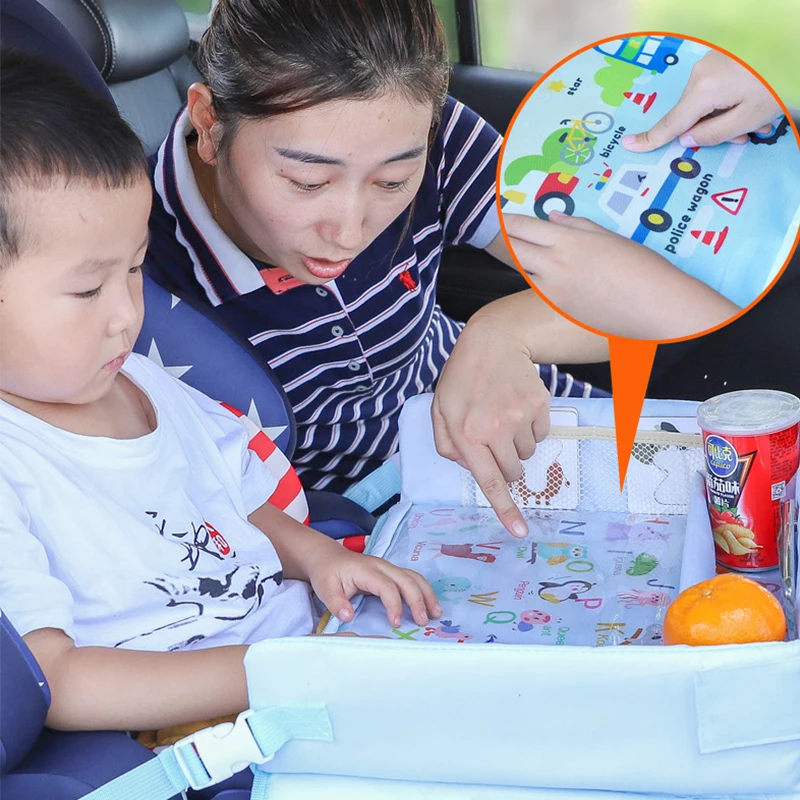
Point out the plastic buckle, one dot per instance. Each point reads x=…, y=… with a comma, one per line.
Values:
x=223, y=750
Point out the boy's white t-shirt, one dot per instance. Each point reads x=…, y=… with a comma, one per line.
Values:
x=142, y=543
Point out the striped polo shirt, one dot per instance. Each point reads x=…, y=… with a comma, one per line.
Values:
x=348, y=353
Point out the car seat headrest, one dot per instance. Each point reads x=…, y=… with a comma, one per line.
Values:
x=32, y=28
x=125, y=40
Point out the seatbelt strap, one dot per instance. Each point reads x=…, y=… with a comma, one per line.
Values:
x=211, y=755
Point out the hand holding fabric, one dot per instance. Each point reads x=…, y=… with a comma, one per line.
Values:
x=722, y=102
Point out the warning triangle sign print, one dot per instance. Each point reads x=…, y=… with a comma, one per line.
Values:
x=731, y=201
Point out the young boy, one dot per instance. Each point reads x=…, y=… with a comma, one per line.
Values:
x=140, y=554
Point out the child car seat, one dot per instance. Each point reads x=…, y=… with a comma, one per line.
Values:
x=37, y=763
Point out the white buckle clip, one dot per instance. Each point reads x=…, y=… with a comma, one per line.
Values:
x=223, y=750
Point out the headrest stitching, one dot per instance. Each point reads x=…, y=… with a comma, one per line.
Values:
x=94, y=9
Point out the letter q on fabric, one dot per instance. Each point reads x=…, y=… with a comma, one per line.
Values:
x=727, y=215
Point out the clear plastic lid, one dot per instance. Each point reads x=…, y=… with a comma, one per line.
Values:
x=749, y=412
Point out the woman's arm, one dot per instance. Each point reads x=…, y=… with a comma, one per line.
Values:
x=613, y=284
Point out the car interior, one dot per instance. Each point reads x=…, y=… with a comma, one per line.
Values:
x=144, y=52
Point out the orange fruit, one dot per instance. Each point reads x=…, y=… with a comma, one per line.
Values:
x=727, y=609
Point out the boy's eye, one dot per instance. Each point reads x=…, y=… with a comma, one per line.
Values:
x=92, y=293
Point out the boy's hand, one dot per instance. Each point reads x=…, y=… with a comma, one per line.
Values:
x=722, y=102
x=336, y=575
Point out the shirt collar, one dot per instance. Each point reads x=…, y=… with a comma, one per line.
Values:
x=239, y=270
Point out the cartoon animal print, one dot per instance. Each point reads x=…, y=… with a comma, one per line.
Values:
x=560, y=592
x=554, y=480
x=641, y=531
x=641, y=597
x=465, y=551
x=652, y=634
x=545, y=521
x=556, y=552
x=447, y=630
x=451, y=588
x=527, y=619
x=643, y=564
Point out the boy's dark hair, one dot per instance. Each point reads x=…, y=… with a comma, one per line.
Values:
x=54, y=129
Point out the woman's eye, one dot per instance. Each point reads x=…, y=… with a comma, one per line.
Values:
x=135, y=270
x=92, y=293
x=306, y=187
x=393, y=186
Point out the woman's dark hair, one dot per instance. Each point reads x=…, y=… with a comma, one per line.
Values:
x=52, y=128
x=266, y=57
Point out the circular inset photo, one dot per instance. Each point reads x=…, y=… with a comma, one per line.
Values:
x=650, y=187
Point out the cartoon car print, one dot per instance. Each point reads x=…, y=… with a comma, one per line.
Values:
x=555, y=191
x=655, y=53
x=636, y=195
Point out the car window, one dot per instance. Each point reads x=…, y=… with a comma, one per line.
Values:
x=536, y=34
x=633, y=178
x=447, y=12
x=195, y=6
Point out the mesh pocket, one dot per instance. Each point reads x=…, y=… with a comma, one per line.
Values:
x=576, y=469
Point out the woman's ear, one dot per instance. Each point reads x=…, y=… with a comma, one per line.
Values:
x=200, y=103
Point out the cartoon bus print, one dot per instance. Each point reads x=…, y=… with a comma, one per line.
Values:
x=655, y=53
x=636, y=195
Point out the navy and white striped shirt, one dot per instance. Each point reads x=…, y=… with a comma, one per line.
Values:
x=348, y=353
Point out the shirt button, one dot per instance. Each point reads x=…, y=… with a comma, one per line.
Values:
x=337, y=330
x=322, y=292
x=354, y=366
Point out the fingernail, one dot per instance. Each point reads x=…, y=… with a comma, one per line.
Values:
x=556, y=214
x=628, y=139
x=396, y=622
x=519, y=528
x=344, y=614
x=437, y=611
x=687, y=141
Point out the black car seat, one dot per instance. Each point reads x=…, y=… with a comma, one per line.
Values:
x=141, y=49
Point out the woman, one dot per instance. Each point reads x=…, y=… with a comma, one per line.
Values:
x=306, y=193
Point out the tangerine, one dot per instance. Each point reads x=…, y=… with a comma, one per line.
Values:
x=727, y=609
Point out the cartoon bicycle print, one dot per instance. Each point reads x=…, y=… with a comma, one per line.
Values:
x=580, y=139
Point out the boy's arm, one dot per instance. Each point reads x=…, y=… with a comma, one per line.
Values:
x=104, y=688
x=336, y=574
